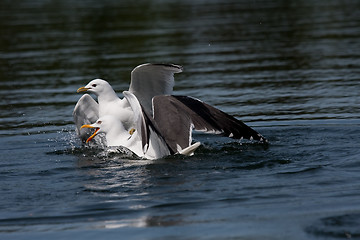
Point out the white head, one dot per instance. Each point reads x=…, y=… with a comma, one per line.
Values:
x=97, y=86
x=109, y=125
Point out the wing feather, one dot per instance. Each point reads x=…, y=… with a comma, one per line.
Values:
x=175, y=115
x=86, y=111
x=149, y=80
x=139, y=119
x=145, y=125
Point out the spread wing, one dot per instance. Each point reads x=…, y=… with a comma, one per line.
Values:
x=176, y=116
x=139, y=120
x=149, y=80
x=145, y=127
x=86, y=111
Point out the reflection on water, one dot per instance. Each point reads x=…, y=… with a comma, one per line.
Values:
x=290, y=69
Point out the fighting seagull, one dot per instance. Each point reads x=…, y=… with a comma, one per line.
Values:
x=117, y=135
x=159, y=119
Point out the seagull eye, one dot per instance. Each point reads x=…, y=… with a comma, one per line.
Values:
x=94, y=85
x=99, y=122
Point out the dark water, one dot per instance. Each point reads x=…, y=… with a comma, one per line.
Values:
x=290, y=69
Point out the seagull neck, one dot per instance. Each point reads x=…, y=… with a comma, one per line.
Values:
x=108, y=96
x=116, y=136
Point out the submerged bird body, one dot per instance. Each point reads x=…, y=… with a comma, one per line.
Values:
x=149, y=120
x=117, y=135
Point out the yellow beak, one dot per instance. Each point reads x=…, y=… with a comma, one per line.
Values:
x=82, y=89
x=94, y=134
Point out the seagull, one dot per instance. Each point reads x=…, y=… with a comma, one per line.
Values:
x=116, y=135
x=147, y=81
x=150, y=111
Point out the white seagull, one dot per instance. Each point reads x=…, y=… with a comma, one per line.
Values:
x=117, y=135
x=152, y=122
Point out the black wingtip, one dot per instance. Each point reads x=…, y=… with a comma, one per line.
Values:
x=216, y=119
x=263, y=140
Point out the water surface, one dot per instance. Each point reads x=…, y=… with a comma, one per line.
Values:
x=288, y=69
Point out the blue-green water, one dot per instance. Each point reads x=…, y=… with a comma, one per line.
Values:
x=288, y=69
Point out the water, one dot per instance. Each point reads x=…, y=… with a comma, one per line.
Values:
x=288, y=69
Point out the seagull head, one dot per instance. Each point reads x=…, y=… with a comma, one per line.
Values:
x=96, y=126
x=96, y=86
x=106, y=124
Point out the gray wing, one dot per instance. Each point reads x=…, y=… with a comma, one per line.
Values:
x=145, y=126
x=86, y=111
x=176, y=116
x=149, y=80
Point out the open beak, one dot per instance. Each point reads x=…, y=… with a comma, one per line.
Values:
x=82, y=89
x=94, y=134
